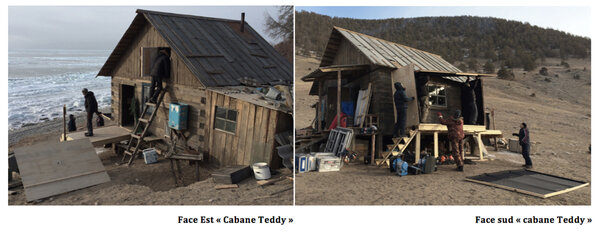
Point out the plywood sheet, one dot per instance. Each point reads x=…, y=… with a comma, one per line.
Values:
x=406, y=76
x=103, y=135
x=529, y=182
x=54, y=168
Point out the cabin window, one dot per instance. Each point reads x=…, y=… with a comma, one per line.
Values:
x=437, y=95
x=225, y=119
x=148, y=55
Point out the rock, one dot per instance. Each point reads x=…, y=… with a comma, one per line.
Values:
x=553, y=153
x=532, y=95
x=137, y=180
x=547, y=80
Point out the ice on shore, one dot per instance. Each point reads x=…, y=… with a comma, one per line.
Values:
x=40, y=82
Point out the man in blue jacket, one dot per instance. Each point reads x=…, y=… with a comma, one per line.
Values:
x=525, y=145
x=400, y=100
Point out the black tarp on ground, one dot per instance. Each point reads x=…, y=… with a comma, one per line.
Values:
x=528, y=182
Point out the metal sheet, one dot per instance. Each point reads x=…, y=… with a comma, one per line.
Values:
x=194, y=35
x=381, y=52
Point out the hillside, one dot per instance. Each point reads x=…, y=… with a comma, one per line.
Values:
x=458, y=39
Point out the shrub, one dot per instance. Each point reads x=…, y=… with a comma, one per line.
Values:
x=544, y=71
x=506, y=74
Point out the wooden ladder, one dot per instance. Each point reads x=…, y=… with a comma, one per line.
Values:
x=139, y=139
x=400, y=143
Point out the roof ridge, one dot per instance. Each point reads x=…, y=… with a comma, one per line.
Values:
x=377, y=38
x=142, y=11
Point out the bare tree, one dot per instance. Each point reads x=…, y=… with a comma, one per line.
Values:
x=282, y=29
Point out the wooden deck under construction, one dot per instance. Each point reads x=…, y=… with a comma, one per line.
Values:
x=102, y=136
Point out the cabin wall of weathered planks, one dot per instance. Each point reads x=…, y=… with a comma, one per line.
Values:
x=382, y=102
x=453, y=100
x=254, y=137
x=130, y=63
x=194, y=97
x=347, y=54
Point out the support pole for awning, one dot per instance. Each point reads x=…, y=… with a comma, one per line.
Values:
x=339, y=96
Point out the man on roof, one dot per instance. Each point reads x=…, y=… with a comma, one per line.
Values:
x=160, y=69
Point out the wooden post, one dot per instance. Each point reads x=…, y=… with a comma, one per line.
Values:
x=320, y=90
x=372, y=149
x=418, y=147
x=480, y=145
x=339, y=96
x=435, y=144
x=64, y=122
x=494, y=128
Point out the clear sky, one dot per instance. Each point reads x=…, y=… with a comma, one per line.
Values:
x=574, y=20
x=101, y=27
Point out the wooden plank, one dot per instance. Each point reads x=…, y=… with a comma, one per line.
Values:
x=406, y=76
x=232, y=148
x=256, y=144
x=435, y=144
x=54, y=168
x=226, y=186
x=338, y=100
x=270, y=156
x=263, y=136
x=418, y=148
x=241, y=130
x=249, y=133
x=210, y=109
x=103, y=135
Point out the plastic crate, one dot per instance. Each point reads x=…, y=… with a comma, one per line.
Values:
x=328, y=163
x=150, y=156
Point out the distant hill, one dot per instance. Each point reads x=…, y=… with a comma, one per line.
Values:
x=457, y=39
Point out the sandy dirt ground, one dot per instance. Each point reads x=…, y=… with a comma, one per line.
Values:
x=559, y=118
x=153, y=184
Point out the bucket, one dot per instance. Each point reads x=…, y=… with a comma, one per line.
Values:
x=261, y=171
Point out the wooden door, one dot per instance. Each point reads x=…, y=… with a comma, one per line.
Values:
x=406, y=76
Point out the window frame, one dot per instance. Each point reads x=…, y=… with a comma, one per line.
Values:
x=431, y=87
x=225, y=120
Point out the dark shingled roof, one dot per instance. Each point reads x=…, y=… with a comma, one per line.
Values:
x=215, y=50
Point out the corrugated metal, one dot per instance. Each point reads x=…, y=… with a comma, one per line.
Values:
x=384, y=53
x=214, y=50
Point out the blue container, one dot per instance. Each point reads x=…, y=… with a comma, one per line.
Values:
x=178, y=115
x=303, y=164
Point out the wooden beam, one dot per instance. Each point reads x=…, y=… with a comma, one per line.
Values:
x=435, y=144
x=373, y=149
x=418, y=148
x=342, y=68
x=319, y=112
x=339, y=96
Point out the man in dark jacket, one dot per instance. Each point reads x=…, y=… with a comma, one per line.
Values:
x=161, y=69
x=525, y=145
x=470, y=106
x=400, y=100
x=91, y=107
x=455, y=136
x=423, y=95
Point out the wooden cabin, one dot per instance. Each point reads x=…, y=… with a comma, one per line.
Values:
x=216, y=67
x=356, y=77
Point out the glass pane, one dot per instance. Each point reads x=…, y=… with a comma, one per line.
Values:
x=230, y=126
x=232, y=115
x=221, y=112
x=219, y=124
x=442, y=101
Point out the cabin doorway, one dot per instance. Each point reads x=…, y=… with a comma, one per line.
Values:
x=128, y=105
